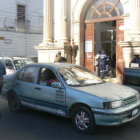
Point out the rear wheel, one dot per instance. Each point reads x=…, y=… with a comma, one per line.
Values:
x=14, y=102
x=83, y=120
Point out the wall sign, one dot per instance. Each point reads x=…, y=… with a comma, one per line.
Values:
x=2, y=37
x=88, y=46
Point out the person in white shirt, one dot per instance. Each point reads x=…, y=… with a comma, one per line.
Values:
x=96, y=63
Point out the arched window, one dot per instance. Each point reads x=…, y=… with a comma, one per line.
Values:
x=100, y=9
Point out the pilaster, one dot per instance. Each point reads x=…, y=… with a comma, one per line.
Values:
x=63, y=22
x=135, y=20
x=47, y=23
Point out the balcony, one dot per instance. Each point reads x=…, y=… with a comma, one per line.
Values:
x=22, y=25
x=25, y=26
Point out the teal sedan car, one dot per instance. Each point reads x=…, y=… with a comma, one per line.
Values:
x=71, y=91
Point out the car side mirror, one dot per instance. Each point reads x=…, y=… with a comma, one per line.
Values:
x=56, y=85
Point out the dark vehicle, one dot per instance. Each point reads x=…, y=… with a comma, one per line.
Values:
x=14, y=63
x=132, y=76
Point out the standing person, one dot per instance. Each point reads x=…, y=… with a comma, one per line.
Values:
x=97, y=63
x=56, y=58
x=102, y=63
x=59, y=56
x=2, y=72
x=136, y=59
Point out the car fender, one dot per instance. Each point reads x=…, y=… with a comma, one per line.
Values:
x=74, y=96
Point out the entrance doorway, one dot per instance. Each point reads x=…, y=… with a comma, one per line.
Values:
x=104, y=35
x=104, y=30
x=105, y=40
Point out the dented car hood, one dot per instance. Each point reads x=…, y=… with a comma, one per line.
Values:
x=108, y=91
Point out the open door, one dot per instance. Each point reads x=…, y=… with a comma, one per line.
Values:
x=119, y=50
x=89, y=46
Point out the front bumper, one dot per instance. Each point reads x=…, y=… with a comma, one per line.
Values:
x=112, y=117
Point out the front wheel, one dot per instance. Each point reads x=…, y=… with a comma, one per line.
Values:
x=13, y=102
x=83, y=120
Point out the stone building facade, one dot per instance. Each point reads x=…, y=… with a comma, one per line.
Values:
x=80, y=28
x=20, y=27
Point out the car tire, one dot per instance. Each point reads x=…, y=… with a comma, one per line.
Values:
x=14, y=102
x=83, y=120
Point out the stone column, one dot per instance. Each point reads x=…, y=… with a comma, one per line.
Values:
x=47, y=23
x=63, y=21
x=135, y=20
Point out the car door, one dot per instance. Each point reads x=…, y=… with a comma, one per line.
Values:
x=25, y=83
x=46, y=95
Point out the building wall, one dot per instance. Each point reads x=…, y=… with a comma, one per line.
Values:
x=20, y=41
x=22, y=44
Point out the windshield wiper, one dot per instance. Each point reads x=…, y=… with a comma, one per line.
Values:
x=94, y=83
x=76, y=85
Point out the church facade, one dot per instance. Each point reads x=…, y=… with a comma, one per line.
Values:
x=81, y=28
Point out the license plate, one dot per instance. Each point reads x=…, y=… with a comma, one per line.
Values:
x=134, y=112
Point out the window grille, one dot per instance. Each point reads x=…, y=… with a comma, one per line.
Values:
x=20, y=13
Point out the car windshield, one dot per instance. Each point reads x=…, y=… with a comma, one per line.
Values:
x=78, y=76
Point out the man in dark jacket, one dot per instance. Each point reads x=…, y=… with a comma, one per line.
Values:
x=2, y=72
x=102, y=63
x=60, y=58
x=136, y=59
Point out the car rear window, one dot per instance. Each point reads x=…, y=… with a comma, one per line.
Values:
x=27, y=75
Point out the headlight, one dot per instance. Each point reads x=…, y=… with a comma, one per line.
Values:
x=138, y=96
x=111, y=105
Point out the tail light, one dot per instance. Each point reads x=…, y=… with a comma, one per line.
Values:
x=9, y=72
x=123, y=77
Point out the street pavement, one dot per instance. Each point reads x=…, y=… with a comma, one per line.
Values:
x=34, y=125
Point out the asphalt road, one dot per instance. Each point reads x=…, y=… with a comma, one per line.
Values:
x=34, y=125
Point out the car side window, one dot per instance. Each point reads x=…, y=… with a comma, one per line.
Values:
x=47, y=77
x=20, y=75
x=9, y=64
x=28, y=74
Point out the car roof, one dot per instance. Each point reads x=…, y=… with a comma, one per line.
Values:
x=53, y=65
x=4, y=58
x=15, y=58
x=21, y=58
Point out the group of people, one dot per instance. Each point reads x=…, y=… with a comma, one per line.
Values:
x=2, y=72
x=136, y=59
x=59, y=58
x=101, y=65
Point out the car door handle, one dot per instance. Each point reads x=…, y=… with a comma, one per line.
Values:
x=37, y=88
x=59, y=91
x=17, y=84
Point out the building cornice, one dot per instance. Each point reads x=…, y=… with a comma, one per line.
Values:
x=130, y=43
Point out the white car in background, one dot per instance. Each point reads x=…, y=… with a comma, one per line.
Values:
x=14, y=63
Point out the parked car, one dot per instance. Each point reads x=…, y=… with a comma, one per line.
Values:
x=132, y=76
x=14, y=63
x=71, y=91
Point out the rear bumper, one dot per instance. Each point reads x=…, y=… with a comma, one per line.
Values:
x=116, y=116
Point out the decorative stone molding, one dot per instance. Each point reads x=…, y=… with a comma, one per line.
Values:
x=129, y=49
x=130, y=44
x=74, y=53
x=47, y=53
x=124, y=1
x=68, y=52
x=22, y=2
